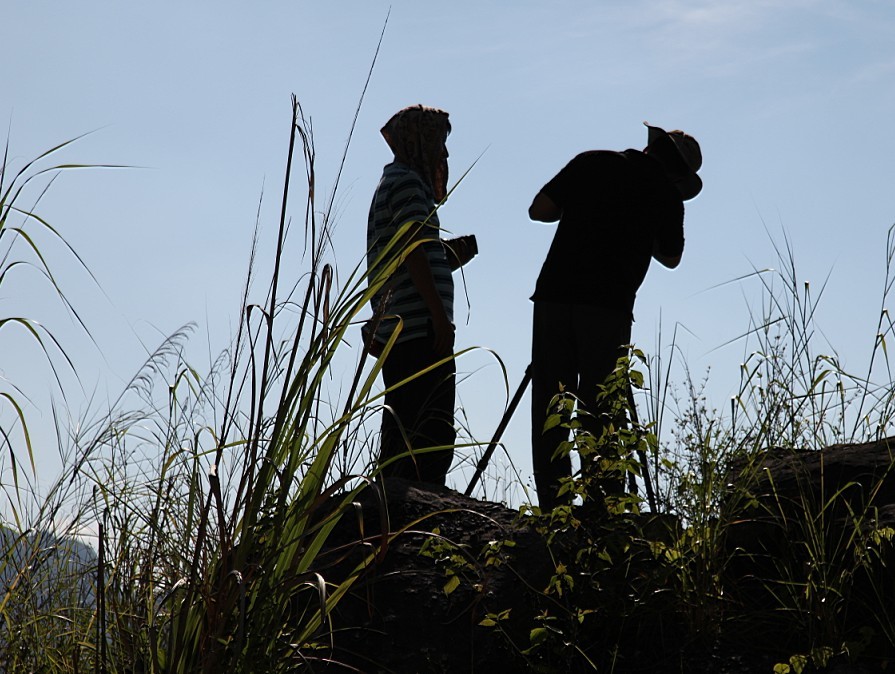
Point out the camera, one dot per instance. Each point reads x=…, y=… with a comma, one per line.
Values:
x=470, y=241
x=465, y=243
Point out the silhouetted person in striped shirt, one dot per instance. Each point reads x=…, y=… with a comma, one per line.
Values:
x=419, y=296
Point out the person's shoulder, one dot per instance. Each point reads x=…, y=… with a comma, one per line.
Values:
x=398, y=177
x=650, y=175
x=595, y=163
x=646, y=167
x=398, y=171
x=402, y=177
x=641, y=160
x=599, y=156
x=596, y=159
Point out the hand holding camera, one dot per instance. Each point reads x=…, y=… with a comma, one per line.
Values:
x=461, y=250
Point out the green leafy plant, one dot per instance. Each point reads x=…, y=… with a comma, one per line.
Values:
x=613, y=574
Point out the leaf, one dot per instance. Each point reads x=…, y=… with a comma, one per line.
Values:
x=799, y=662
x=492, y=619
x=552, y=421
x=452, y=584
x=538, y=636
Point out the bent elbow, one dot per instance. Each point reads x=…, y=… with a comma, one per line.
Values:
x=544, y=209
x=669, y=261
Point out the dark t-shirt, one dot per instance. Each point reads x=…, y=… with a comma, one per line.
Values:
x=615, y=205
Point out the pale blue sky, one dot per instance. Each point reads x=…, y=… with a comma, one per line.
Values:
x=791, y=101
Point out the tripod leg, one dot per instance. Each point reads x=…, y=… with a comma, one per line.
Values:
x=501, y=427
x=641, y=456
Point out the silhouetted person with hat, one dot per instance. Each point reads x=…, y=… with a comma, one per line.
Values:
x=616, y=212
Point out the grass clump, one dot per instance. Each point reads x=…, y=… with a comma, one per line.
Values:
x=206, y=499
x=805, y=558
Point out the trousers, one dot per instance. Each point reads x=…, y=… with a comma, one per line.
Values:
x=575, y=346
x=418, y=415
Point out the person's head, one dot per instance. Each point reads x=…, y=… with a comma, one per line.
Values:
x=679, y=155
x=417, y=135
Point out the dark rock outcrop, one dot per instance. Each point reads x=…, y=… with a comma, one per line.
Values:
x=406, y=614
x=808, y=540
x=841, y=480
x=784, y=494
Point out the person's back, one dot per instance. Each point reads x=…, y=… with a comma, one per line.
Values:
x=615, y=205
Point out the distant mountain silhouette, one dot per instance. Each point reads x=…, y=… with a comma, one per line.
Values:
x=47, y=568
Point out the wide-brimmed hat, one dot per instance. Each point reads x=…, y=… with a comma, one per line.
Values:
x=688, y=150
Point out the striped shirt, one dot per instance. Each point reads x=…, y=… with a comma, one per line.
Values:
x=401, y=197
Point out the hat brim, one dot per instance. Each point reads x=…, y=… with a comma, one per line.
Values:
x=691, y=184
x=654, y=133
